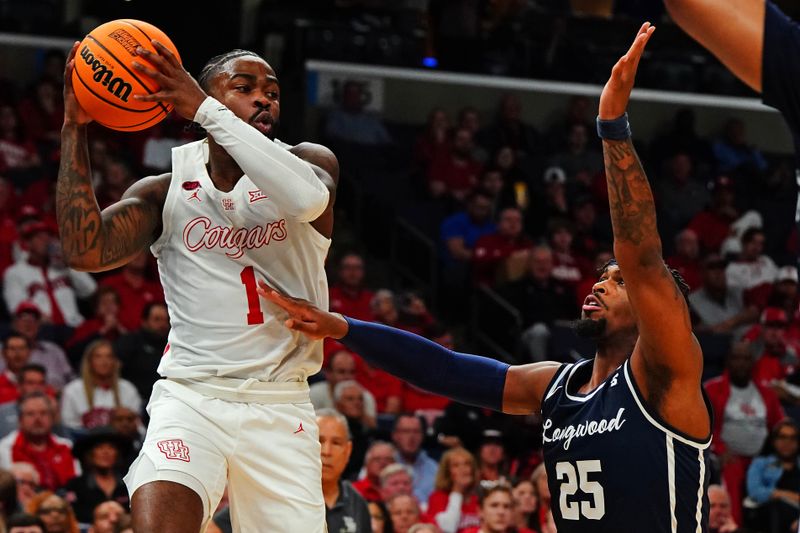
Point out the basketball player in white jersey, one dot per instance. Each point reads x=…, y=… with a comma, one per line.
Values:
x=238, y=207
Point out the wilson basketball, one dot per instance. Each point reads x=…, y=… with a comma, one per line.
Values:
x=105, y=82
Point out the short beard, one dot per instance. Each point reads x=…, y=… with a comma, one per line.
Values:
x=587, y=328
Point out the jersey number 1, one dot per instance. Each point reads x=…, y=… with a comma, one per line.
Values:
x=254, y=313
x=573, y=510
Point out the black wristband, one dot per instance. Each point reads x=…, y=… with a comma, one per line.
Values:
x=618, y=129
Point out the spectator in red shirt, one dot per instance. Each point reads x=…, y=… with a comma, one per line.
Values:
x=744, y=414
x=778, y=358
x=135, y=291
x=379, y=455
x=8, y=225
x=454, y=172
x=453, y=506
x=413, y=313
x=494, y=251
x=16, y=354
x=434, y=141
x=497, y=510
x=686, y=258
x=35, y=443
x=105, y=324
x=348, y=295
x=713, y=224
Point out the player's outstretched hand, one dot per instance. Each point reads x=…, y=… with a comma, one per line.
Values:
x=304, y=316
x=617, y=92
x=177, y=86
x=74, y=114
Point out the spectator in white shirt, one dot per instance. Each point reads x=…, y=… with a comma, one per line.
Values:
x=42, y=278
x=752, y=268
x=88, y=401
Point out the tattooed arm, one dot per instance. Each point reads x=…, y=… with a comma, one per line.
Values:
x=666, y=361
x=93, y=240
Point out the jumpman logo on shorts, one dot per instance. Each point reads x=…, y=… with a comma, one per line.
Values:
x=299, y=429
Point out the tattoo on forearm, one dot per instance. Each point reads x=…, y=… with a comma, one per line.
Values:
x=633, y=213
x=96, y=240
x=127, y=231
x=78, y=215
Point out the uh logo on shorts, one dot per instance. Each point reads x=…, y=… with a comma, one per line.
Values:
x=174, y=449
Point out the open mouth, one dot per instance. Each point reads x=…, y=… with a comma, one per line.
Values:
x=262, y=122
x=591, y=304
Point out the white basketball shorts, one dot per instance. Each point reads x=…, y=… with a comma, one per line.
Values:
x=261, y=438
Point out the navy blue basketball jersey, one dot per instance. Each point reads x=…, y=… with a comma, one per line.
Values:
x=613, y=466
x=781, y=68
x=780, y=74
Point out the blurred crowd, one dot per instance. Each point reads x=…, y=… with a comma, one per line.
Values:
x=516, y=209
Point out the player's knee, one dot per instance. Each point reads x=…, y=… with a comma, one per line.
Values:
x=165, y=506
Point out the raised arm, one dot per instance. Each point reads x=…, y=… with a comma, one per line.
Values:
x=302, y=188
x=732, y=30
x=666, y=350
x=93, y=240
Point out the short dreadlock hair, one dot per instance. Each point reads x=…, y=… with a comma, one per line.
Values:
x=215, y=64
x=679, y=281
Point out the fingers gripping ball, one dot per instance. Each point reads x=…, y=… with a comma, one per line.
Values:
x=105, y=82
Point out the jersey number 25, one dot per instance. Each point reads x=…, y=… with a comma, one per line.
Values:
x=594, y=510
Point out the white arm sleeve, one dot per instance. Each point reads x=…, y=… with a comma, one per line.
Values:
x=83, y=283
x=14, y=289
x=280, y=174
x=448, y=519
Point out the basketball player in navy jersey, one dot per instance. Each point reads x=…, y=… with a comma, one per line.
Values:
x=237, y=206
x=757, y=42
x=625, y=434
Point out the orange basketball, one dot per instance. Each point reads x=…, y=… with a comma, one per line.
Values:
x=105, y=82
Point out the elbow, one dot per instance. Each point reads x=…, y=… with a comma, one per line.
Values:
x=311, y=207
x=80, y=263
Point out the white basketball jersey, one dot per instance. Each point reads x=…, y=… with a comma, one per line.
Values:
x=213, y=249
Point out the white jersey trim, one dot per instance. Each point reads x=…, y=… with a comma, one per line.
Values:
x=671, y=483
x=169, y=204
x=554, y=385
x=653, y=421
x=700, y=492
x=588, y=396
